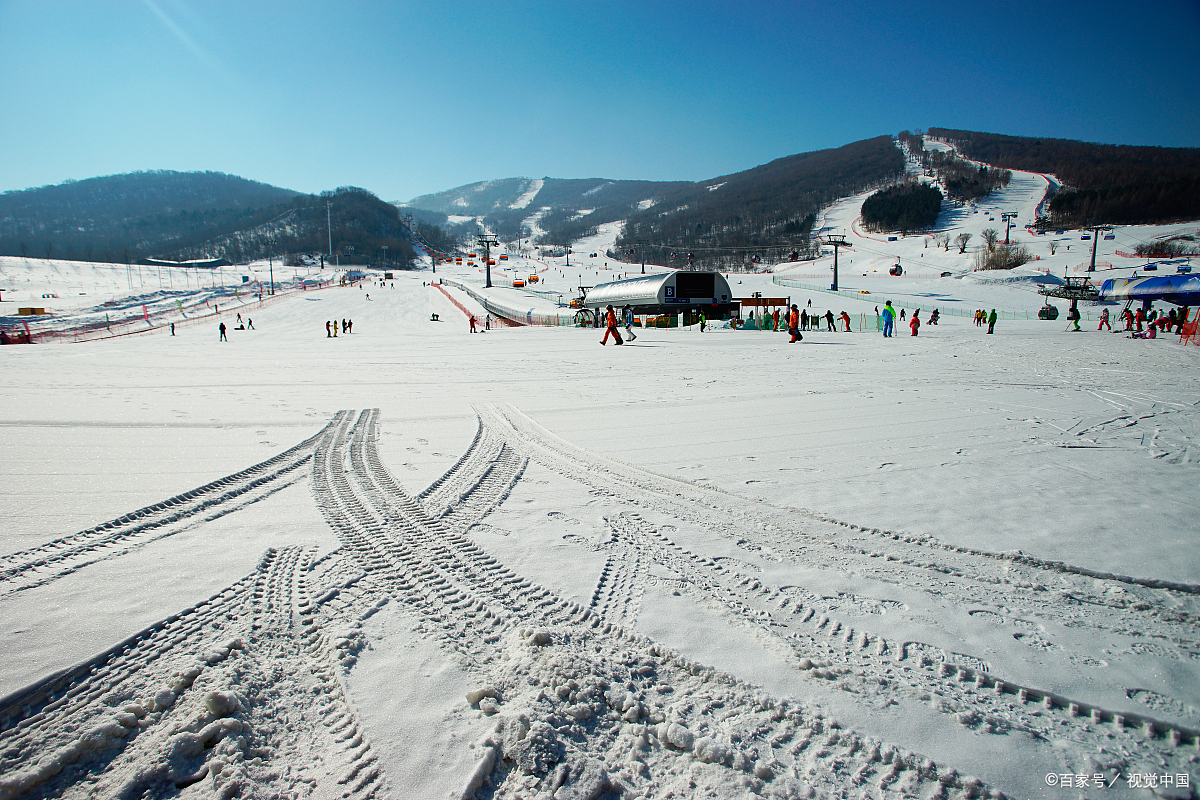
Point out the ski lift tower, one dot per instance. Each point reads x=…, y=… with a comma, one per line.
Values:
x=1008, y=217
x=487, y=242
x=1095, y=239
x=835, y=241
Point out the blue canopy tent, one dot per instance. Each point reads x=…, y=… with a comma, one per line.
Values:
x=1180, y=290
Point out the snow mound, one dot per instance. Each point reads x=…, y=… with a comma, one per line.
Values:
x=1019, y=275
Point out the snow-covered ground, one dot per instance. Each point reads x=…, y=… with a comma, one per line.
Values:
x=410, y=561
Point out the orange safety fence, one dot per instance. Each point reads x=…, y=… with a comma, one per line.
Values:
x=1187, y=332
x=52, y=330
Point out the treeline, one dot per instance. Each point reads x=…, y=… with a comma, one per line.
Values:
x=1103, y=183
x=771, y=209
x=904, y=208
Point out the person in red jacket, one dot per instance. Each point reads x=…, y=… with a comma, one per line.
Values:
x=915, y=324
x=610, y=319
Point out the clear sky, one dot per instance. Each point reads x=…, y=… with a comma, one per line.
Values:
x=414, y=96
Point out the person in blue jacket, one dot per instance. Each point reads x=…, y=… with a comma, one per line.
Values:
x=889, y=318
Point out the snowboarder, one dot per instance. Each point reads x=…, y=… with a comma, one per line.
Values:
x=804, y=318
x=829, y=320
x=327, y=333
x=933, y=318
x=610, y=320
x=223, y=339
x=629, y=323
x=249, y=324
x=915, y=325
x=902, y=315
x=992, y=321
x=889, y=319
x=845, y=322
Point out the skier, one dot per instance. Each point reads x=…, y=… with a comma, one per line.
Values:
x=703, y=321
x=1073, y=317
x=794, y=325
x=829, y=320
x=992, y=321
x=172, y=328
x=804, y=318
x=610, y=320
x=223, y=339
x=915, y=325
x=845, y=322
x=629, y=323
x=472, y=323
x=902, y=315
x=350, y=326
x=249, y=324
x=889, y=318
x=327, y=333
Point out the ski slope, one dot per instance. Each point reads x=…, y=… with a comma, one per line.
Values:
x=410, y=561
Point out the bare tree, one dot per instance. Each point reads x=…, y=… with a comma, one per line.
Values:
x=961, y=240
x=990, y=237
x=1053, y=247
x=1005, y=256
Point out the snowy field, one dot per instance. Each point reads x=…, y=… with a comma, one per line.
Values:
x=413, y=562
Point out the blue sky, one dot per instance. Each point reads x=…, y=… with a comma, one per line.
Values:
x=415, y=96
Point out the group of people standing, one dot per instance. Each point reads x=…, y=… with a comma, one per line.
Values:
x=985, y=318
x=347, y=327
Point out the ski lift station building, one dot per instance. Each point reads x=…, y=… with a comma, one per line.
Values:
x=666, y=293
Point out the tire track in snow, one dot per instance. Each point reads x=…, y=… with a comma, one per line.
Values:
x=579, y=702
x=53, y=560
x=839, y=649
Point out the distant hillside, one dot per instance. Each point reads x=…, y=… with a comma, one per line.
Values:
x=187, y=215
x=772, y=208
x=1103, y=183
x=359, y=224
x=136, y=214
x=566, y=209
x=717, y=220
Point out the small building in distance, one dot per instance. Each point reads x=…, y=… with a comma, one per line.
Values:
x=667, y=293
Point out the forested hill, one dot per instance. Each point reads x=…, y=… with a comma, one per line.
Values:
x=721, y=221
x=203, y=215
x=136, y=213
x=1103, y=183
x=717, y=220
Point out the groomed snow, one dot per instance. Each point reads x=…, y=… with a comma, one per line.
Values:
x=416, y=562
